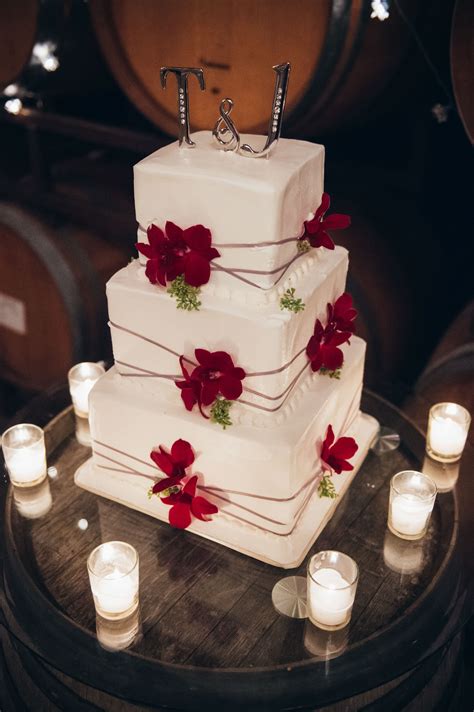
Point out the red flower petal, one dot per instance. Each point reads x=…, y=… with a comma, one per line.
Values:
x=182, y=453
x=173, y=232
x=340, y=465
x=237, y=372
x=190, y=487
x=332, y=357
x=163, y=461
x=209, y=391
x=344, y=448
x=180, y=515
x=325, y=205
x=164, y=483
x=175, y=268
x=231, y=388
x=197, y=237
x=188, y=397
x=197, y=269
x=318, y=330
x=153, y=271
x=313, y=348
x=329, y=439
x=202, y=508
x=145, y=249
x=221, y=361
x=321, y=239
x=203, y=357
x=336, y=221
x=156, y=237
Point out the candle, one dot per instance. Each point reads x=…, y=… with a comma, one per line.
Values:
x=113, y=575
x=332, y=582
x=25, y=454
x=82, y=378
x=448, y=425
x=118, y=634
x=412, y=497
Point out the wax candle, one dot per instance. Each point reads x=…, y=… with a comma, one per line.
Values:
x=332, y=582
x=25, y=454
x=82, y=378
x=113, y=575
x=448, y=425
x=412, y=497
x=33, y=502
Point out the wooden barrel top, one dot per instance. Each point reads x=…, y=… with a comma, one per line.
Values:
x=209, y=633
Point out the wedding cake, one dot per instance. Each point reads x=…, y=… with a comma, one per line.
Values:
x=233, y=407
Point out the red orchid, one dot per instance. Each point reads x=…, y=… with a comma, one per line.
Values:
x=341, y=314
x=185, y=504
x=215, y=374
x=178, y=252
x=335, y=455
x=323, y=348
x=174, y=463
x=315, y=230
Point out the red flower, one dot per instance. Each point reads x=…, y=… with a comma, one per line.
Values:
x=185, y=504
x=335, y=455
x=315, y=229
x=174, y=463
x=178, y=252
x=341, y=315
x=215, y=374
x=323, y=348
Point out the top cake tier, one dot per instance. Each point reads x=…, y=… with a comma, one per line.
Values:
x=254, y=208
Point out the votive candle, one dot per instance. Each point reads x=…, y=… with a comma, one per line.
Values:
x=412, y=497
x=25, y=454
x=448, y=425
x=82, y=378
x=113, y=575
x=332, y=583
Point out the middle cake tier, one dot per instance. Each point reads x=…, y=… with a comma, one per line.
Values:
x=149, y=334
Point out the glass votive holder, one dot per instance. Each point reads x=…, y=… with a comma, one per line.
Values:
x=118, y=634
x=83, y=432
x=25, y=454
x=332, y=583
x=444, y=474
x=448, y=425
x=113, y=575
x=33, y=502
x=412, y=498
x=326, y=644
x=404, y=557
x=81, y=379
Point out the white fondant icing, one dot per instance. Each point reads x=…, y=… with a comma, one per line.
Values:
x=286, y=551
x=239, y=200
x=143, y=317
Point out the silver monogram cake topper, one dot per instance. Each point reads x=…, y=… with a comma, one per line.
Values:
x=182, y=74
x=276, y=119
x=225, y=125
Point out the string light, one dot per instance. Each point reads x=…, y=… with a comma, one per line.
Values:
x=43, y=53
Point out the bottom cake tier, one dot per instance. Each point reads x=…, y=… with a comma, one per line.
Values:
x=284, y=550
x=263, y=480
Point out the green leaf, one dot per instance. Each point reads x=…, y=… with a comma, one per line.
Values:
x=326, y=487
x=290, y=302
x=220, y=412
x=303, y=246
x=185, y=295
x=332, y=374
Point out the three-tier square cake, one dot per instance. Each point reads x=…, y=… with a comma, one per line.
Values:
x=233, y=407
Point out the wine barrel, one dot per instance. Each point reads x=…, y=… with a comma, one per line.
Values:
x=462, y=63
x=47, y=47
x=52, y=297
x=449, y=374
x=341, y=59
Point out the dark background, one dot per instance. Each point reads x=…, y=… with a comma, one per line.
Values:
x=404, y=176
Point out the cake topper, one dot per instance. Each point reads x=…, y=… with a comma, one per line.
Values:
x=182, y=74
x=278, y=106
x=225, y=125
